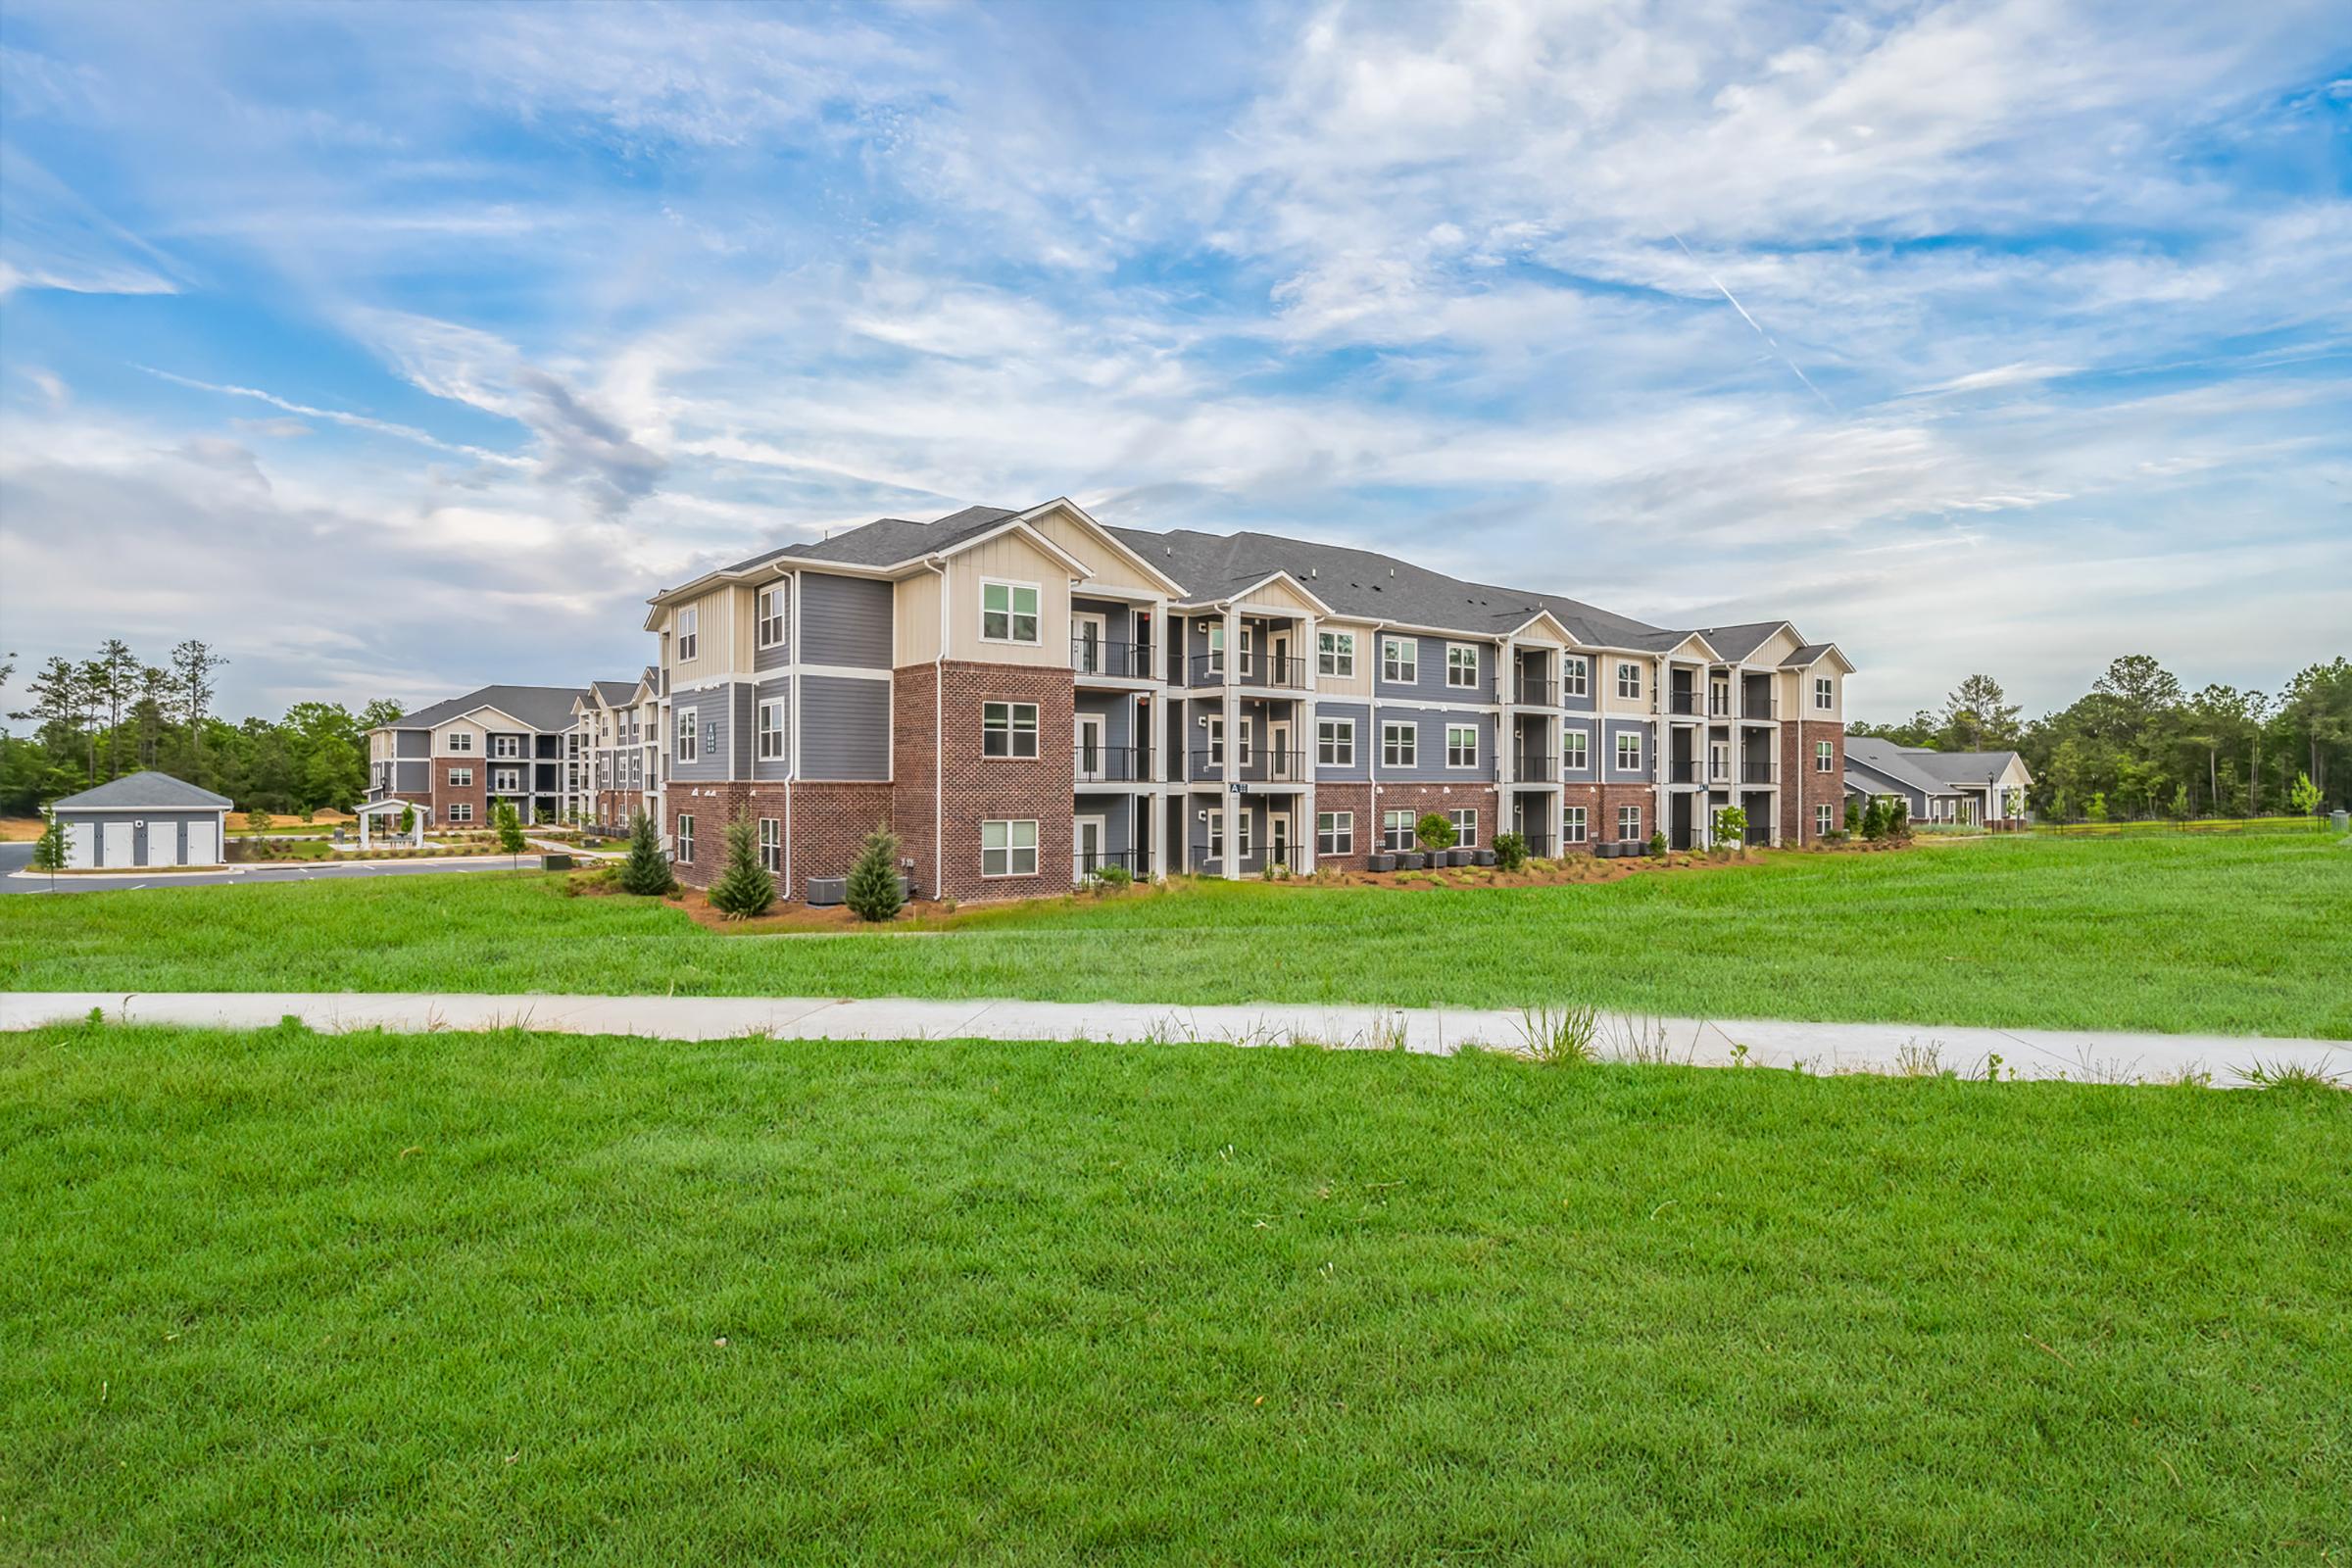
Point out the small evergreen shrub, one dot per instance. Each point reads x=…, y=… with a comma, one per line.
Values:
x=1853, y=817
x=744, y=888
x=646, y=872
x=1873, y=820
x=873, y=892
x=1657, y=844
x=1898, y=817
x=1510, y=851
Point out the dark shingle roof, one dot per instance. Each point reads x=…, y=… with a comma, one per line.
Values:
x=1891, y=762
x=1738, y=642
x=1800, y=657
x=149, y=792
x=615, y=693
x=543, y=708
x=1958, y=768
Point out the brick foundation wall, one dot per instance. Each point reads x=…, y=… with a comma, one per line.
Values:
x=1422, y=799
x=1357, y=798
x=618, y=808
x=829, y=823
x=1802, y=788
x=476, y=794
x=977, y=788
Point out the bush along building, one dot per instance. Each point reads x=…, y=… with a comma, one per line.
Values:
x=1028, y=698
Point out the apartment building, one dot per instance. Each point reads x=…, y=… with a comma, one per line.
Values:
x=617, y=740
x=1029, y=696
x=456, y=759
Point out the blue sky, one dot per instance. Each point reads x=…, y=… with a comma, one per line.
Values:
x=396, y=348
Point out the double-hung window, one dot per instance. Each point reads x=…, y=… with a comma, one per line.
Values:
x=771, y=845
x=1629, y=821
x=1335, y=742
x=1576, y=679
x=1008, y=849
x=1629, y=680
x=1217, y=648
x=771, y=616
x=1572, y=825
x=1334, y=654
x=461, y=778
x=1334, y=832
x=1461, y=745
x=1465, y=827
x=1461, y=665
x=1400, y=661
x=1824, y=821
x=1396, y=831
x=690, y=736
x=771, y=731
x=1400, y=744
x=1575, y=751
x=1825, y=693
x=505, y=781
x=685, y=839
x=1825, y=757
x=1007, y=613
x=1009, y=729
x=460, y=810
x=1217, y=743
x=506, y=746
x=690, y=642
x=461, y=740
x=1629, y=752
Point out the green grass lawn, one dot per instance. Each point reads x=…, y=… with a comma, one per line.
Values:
x=298, y=1298
x=2229, y=935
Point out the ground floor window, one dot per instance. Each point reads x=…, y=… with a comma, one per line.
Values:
x=1465, y=828
x=1335, y=833
x=1008, y=849
x=771, y=844
x=685, y=840
x=1572, y=825
x=1396, y=831
x=1824, y=820
x=1242, y=833
x=1629, y=821
x=460, y=810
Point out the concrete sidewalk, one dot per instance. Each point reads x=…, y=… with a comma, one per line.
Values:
x=2101, y=1057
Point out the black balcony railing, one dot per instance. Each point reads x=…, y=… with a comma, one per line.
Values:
x=1538, y=844
x=1683, y=702
x=1110, y=764
x=1260, y=766
x=1098, y=656
x=1252, y=668
x=1760, y=703
x=1752, y=771
x=1087, y=865
x=1683, y=772
x=1254, y=862
x=1537, y=691
x=1535, y=767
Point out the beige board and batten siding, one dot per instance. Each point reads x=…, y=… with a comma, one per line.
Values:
x=1008, y=558
x=1367, y=656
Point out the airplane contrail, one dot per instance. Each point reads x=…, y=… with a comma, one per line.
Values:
x=1752, y=322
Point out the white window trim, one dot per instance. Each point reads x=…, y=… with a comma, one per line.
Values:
x=1825, y=819
x=1465, y=826
x=1584, y=750
x=1412, y=749
x=460, y=740
x=1576, y=675
x=1825, y=693
x=686, y=746
x=690, y=634
x=1011, y=848
x=1825, y=757
x=1451, y=730
x=1012, y=732
x=761, y=639
x=1622, y=812
x=1216, y=741
x=461, y=778
x=1389, y=825
x=1626, y=671
x=770, y=745
x=1453, y=668
x=1338, y=660
x=1343, y=739
x=1011, y=615
x=771, y=845
x=1623, y=737
x=1574, y=828
x=1339, y=837
x=1410, y=663
x=460, y=810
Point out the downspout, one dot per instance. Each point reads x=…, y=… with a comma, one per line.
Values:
x=800, y=694
x=938, y=710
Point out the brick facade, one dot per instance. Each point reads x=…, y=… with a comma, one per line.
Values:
x=974, y=787
x=446, y=794
x=829, y=823
x=1422, y=799
x=1357, y=798
x=1802, y=785
x=618, y=809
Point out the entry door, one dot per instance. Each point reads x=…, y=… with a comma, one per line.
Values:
x=114, y=844
x=1086, y=846
x=1093, y=761
x=1280, y=764
x=1719, y=762
x=1278, y=838
x=1278, y=646
x=204, y=844
x=1092, y=633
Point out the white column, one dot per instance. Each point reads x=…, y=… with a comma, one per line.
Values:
x=1231, y=696
x=1302, y=828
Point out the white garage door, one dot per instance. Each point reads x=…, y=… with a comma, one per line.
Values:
x=114, y=844
x=204, y=844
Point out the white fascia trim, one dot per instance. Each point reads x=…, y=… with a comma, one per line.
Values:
x=1167, y=584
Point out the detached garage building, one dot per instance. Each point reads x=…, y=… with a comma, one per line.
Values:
x=142, y=820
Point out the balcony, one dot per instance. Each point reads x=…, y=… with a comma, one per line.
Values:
x=1536, y=691
x=1684, y=705
x=1685, y=771
x=1110, y=764
x=1257, y=768
x=1120, y=660
x=1760, y=707
x=1759, y=772
x=1535, y=767
x=1255, y=669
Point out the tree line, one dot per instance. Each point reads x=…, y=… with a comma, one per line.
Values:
x=98, y=719
x=2140, y=744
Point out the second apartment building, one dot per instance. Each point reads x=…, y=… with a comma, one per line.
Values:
x=1029, y=696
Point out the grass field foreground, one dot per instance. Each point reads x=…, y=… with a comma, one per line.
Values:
x=2240, y=936
x=301, y=1298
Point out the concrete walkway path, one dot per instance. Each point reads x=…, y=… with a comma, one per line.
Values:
x=2224, y=1060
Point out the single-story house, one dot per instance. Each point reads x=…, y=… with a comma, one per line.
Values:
x=1979, y=788
x=141, y=821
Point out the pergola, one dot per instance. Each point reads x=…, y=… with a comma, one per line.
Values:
x=391, y=808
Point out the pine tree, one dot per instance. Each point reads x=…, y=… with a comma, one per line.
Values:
x=509, y=830
x=49, y=849
x=874, y=893
x=647, y=869
x=744, y=888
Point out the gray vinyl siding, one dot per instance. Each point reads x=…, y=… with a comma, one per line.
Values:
x=779, y=690
x=1115, y=810
x=157, y=838
x=412, y=743
x=845, y=621
x=845, y=726
x=1118, y=621
x=1430, y=753
x=712, y=708
x=411, y=777
x=1611, y=774
x=1366, y=737
x=1113, y=710
x=1591, y=771
x=780, y=654
x=1584, y=704
x=1429, y=671
x=1881, y=784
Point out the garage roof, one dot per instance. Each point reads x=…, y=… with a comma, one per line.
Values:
x=147, y=791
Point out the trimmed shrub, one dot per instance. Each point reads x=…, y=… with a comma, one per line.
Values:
x=646, y=872
x=744, y=888
x=873, y=891
x=1510, y=851
x=1435, y=831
